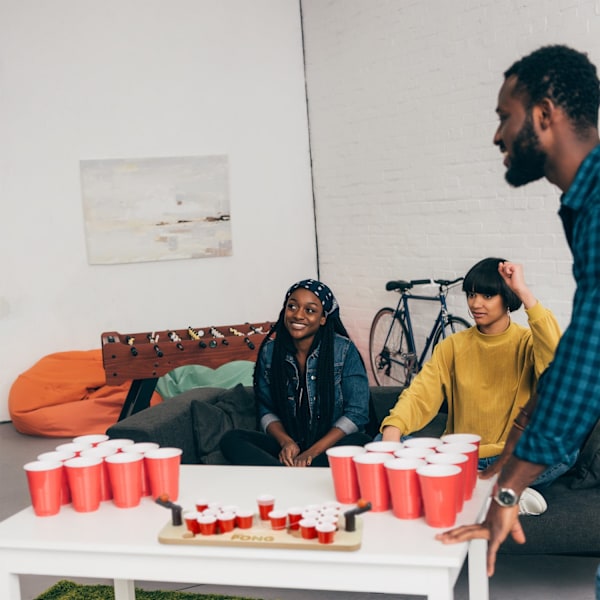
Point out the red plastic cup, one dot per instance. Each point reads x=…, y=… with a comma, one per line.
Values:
x=93, y=439
x=343, y=471
x=461, y=438
x=372, y=479
x=61, y=456
x=383, y=446
x=125, y=472
x=405, y=491
x=333, y=519
x=84, y=482
x=232, y=508
x=105, y=486
x=278, y=519
x=330, y=512
x=443, y=458
x=266, y=503
x=74, y=447
x=423, y=442
x=308, y=529
x=44, y=478
x=325, y=532
x=226, y=522
x=162, y=466
x=413, y=452
x=294, y=515
x=313, y=514
x=472, y=453
x=190, y=518
x=207, y=524
x=118, y=443
x=244, y=519
x=142, y=448
x=438, y=489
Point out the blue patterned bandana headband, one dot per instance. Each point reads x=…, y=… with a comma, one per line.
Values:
x=320, y=290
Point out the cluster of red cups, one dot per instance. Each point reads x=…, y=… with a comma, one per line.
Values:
x=315, y=521
x=92, y=469
x=420, y=477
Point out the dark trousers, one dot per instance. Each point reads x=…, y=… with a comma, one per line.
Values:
x=254, y=448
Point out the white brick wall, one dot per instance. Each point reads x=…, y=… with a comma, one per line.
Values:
x=407, y=182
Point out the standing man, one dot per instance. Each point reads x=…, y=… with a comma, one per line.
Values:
x=548, y=111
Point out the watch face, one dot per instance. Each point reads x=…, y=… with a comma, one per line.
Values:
x=507, y=497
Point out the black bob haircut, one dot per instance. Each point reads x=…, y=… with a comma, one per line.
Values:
x=483, y=278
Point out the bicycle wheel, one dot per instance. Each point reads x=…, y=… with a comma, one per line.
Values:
x=453, y=324
x=392, y=360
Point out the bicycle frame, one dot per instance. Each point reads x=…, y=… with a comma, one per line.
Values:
x=402, y=312
x=392, y=344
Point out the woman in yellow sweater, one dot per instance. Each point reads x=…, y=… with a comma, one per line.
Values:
x=485, y=373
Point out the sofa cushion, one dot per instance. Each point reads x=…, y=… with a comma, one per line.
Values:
x=571, y=525
x=190, y=377
x=232, y=409
x=587, y=468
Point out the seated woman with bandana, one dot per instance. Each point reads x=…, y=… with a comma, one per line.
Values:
x=310, y=383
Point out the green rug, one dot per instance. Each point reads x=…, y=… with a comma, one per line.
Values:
x=67, y=590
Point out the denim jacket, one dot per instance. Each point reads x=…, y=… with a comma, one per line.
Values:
x=351, y=411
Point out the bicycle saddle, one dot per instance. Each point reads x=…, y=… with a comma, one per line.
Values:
x=402, y=285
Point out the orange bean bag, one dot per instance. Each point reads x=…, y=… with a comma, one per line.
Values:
x=65, y=395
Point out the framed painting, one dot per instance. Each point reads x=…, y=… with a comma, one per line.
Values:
x=152, y=209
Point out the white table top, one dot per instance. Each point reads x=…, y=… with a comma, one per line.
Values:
x=386, y=539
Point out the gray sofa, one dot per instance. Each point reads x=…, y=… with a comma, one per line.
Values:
x=195, y=421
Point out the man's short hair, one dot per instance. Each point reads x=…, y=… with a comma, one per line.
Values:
x=565, y=76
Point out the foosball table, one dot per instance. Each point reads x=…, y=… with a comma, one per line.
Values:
x=144, y=357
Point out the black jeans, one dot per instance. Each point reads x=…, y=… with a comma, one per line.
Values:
x=244, y=447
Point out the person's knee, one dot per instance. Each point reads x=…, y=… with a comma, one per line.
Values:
x=229, y=439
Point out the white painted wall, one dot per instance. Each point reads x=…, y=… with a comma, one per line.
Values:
x=81, y=79
x=407, y=182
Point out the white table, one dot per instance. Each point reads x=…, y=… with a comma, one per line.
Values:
x=396, y=556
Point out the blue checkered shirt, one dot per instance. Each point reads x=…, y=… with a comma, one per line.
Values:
x=568, y=403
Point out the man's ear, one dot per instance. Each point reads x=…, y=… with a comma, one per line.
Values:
x=545, y=112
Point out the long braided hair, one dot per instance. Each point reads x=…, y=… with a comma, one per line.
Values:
x=320, y=422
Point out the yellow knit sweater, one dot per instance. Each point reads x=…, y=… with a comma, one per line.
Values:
x=485, y=378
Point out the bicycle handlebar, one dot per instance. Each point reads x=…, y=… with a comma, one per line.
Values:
x=447, y=282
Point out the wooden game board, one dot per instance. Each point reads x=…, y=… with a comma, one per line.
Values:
x=262, y=536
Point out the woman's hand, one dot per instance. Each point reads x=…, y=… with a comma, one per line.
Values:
x=289, y=452
x=303, y=460
x=514, y=278
x=391, y=434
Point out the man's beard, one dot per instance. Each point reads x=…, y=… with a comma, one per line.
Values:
x=527, y=160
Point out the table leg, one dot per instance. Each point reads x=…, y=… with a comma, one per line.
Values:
x=138, y=397
x=10, y=586
x=440, y=585
x=124, y=589
x=479, y=585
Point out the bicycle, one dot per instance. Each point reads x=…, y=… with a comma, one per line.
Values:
x=392, y=348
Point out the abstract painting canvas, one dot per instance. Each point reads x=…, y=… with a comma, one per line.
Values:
x=152, y=209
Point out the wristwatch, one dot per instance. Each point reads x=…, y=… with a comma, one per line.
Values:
x=506, y=497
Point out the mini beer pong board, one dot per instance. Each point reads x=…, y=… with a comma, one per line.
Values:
x=261, y=535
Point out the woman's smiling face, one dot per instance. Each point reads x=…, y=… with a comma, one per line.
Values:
x=303, y=315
